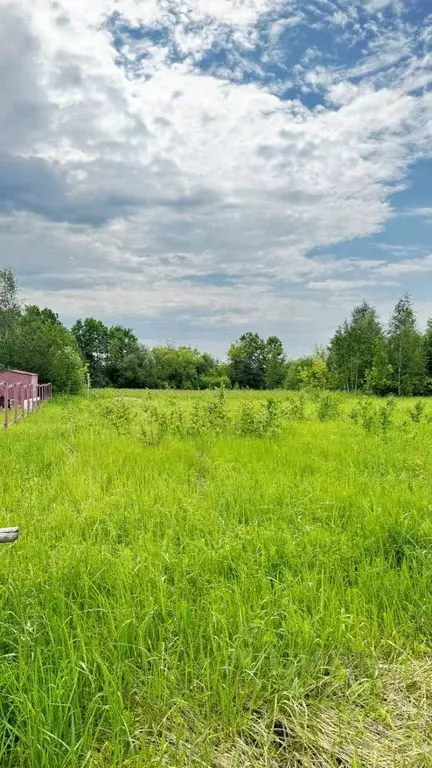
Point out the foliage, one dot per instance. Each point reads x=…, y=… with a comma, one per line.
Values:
x=315, y=376
x=293, y=372
x=362, y=356
x=428, y=355
x=406, y=350
x=353, y=348
x=68, y=371
x=9, y=300
x=184, y=368
x=377, y=379
x=328, y=406
x=247, y=362
x=275, y=363
x=92, y=338
x=9, y=312
x=39, y=342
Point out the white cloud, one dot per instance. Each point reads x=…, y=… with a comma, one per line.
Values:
x=121, y=188
x=379, y=5
x=407, y=266
x=420, y=212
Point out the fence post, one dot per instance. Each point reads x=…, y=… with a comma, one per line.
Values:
x=6, y=409
x=15, y=391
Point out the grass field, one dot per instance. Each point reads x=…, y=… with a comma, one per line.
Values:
x=236, y=580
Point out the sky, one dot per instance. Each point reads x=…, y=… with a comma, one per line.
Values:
x=198, y=169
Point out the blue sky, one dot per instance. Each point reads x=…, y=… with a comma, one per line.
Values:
x=198, y=169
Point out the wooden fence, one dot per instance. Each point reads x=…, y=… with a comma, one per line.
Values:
x=18, y=400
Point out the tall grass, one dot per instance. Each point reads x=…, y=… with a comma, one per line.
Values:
x=217, y=580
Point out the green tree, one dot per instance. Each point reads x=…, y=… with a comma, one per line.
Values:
x=92, y=338
x=379, y=375
x=9, y=312
x=428, y=353
x=8, y=290
x=40, y=342
x=316, y=375
x=275, y=363
x=352, y=348
x=68, y=371
x=137, y=369
x=293, y=371
x=122, y=345
x=185, y=368
x=247, y=361
x=406, y=350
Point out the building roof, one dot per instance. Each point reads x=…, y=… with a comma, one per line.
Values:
x=15, y=370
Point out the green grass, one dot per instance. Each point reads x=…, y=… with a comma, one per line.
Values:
x=217, y=581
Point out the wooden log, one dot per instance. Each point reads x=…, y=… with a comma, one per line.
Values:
x=8, y=534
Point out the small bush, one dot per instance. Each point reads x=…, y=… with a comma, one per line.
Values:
x=328, y=407
x=118, y=412
x=364, y=413
x=416, y=412
x=295, y=407
x=385, y=415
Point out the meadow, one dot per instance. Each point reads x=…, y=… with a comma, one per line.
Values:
x=221, y=580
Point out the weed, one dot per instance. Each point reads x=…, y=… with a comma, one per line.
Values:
x=365, y=414
x=217, y=411
x=328, y=406
x=416, y=412
x=273, y=416
x=118, y=412
x=385, y=415
x=295, y=407
x=226, y=599
x=249, y=422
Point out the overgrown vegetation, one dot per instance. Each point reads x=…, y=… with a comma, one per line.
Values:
x=220, y=579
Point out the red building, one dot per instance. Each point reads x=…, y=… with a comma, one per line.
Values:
x=27, y=383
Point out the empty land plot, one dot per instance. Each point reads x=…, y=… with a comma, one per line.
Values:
x=219, y=580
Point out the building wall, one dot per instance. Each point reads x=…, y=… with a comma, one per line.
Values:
x=26, y=379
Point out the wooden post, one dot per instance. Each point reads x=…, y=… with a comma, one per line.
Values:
x=5, y=401
x=15, y=391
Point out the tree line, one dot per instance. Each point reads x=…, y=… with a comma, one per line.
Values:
x=362, y=355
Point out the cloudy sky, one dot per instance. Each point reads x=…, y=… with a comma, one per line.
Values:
x=198, y=168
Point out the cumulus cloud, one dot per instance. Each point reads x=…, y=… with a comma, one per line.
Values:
x=147, y=147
